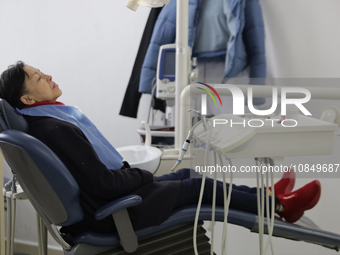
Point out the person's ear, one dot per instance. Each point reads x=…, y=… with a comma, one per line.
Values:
x=27, y=100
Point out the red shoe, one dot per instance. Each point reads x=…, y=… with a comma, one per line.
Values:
x=286, y=184
x=296, y=202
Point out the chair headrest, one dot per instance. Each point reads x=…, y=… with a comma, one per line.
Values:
x=11, y=117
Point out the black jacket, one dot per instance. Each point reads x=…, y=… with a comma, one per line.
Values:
x=132, y=97
x=100, y=185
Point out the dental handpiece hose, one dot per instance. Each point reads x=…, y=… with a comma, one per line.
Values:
x=182, y=153
x=187, y=140
x=185, y=146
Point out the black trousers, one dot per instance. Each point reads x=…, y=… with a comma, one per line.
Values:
x=243, y=198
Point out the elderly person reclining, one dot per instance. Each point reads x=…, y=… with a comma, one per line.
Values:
x=102, y=176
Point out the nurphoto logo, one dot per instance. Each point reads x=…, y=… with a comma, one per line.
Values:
x=239, y=99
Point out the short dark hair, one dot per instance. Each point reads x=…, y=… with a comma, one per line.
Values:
x=12, y=84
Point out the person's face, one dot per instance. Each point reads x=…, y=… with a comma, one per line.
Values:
x=39, y=87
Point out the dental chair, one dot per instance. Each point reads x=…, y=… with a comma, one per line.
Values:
x=54, y=194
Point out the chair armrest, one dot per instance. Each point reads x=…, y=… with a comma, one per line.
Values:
x=117, y=205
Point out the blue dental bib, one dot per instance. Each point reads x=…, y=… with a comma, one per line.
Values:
x=72, y=114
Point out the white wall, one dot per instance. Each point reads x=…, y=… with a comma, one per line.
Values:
x=89, y=47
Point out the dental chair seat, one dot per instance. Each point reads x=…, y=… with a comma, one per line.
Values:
x=183, y=215
x=311, y=234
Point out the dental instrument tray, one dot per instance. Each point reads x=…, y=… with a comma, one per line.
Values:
x=250, y=136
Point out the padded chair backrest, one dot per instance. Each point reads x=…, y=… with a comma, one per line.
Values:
x=48, y=184
x=11, y=118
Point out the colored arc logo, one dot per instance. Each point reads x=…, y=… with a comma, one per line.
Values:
x=208, y=92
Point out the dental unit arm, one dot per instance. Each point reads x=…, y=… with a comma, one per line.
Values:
x=182, y=125
x=238, y=137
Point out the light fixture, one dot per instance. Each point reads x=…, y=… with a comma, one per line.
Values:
x=133, y=4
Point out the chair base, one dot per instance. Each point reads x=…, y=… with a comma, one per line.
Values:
x=176, y=240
